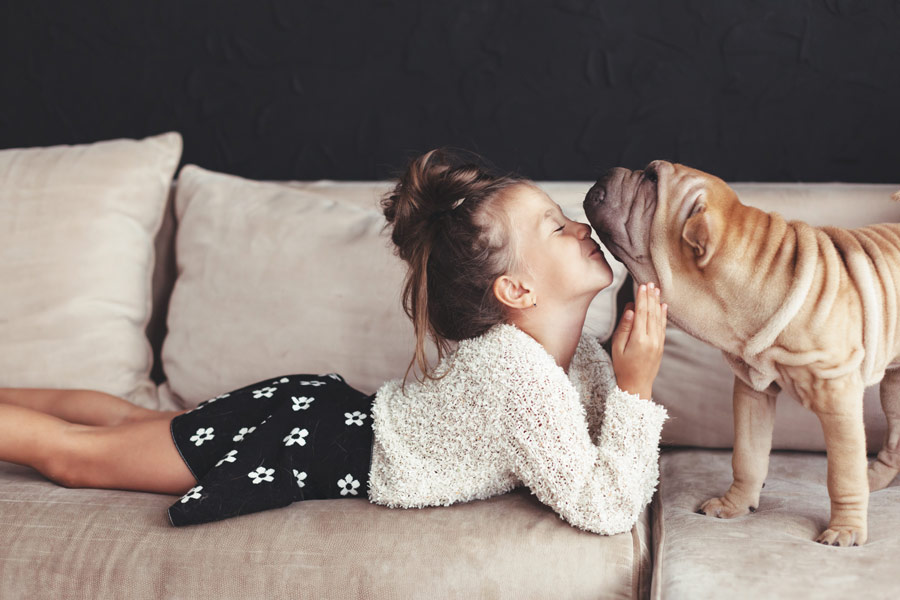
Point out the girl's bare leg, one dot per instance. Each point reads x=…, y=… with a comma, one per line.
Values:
x=134, y=456
x=87, y=407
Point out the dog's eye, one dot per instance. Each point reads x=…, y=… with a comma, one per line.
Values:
x=651, y=175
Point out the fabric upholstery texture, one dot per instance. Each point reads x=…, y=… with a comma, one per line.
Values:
x=770, y=553
x=68, y=543
x=77, y=225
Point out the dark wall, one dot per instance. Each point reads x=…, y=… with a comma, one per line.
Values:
x=284, y=89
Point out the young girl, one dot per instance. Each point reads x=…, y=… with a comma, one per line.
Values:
x=523, y=398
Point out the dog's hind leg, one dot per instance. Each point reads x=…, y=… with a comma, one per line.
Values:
x=883, y=469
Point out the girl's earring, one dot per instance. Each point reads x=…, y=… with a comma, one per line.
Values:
x=535, y=304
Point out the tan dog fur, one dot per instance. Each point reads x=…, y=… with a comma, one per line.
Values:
x=809, y=310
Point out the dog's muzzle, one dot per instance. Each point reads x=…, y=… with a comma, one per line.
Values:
x=597, y=194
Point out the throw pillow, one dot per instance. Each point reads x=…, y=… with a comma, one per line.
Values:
x=76, y=260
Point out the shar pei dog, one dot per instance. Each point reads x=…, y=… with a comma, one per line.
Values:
x=809, y=310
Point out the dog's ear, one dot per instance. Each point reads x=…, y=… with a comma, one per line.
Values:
x=700, y=232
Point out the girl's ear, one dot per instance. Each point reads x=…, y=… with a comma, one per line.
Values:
x=512, y=292
x=701, y=233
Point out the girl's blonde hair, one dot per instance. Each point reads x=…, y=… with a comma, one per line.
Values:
x=450, y=227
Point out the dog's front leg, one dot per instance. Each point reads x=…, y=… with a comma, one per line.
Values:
x=839, y=406
x=754, y=419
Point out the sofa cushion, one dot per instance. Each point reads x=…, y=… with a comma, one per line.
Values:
x=77, y=225
x=70, y=543
x=770, y=553
x=294, y=277
x=694, y=381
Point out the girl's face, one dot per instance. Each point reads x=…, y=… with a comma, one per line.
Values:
x=563, y=263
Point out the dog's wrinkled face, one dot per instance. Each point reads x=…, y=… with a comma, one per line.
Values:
x=665, y=222
x=648, y=217
x=620, y=208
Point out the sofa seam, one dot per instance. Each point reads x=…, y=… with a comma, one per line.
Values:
x=164, y=159
x=637, y=567
x=656, y=508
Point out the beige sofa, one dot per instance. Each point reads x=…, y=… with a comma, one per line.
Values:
x=170, y=291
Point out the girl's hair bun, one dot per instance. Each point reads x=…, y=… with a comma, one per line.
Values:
x=432, y=186
x=454, y=235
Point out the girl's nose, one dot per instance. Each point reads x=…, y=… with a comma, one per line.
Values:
x=584, y=231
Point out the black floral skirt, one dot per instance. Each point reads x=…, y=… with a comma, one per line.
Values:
x=271, y=443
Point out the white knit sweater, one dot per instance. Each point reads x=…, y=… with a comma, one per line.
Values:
x=506, y=414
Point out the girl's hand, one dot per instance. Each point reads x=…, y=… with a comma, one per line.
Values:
x=637, y=343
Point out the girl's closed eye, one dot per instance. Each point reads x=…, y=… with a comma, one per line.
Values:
x=560, y=228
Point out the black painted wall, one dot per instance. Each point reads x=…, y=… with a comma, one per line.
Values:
x=775, y=90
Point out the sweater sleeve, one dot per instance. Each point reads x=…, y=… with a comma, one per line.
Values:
x=599, y=380
x=601, y=487
x=603, y=385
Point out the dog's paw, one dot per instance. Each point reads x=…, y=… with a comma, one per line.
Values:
x=880, y=475
x=723, y=508
x=842, y=536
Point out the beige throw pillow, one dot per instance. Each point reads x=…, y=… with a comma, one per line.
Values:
x=77, y=225
x=280, y=278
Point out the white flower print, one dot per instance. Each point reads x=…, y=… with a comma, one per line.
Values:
x=202, y=435
x=301, y=403
x=209, y=401
x=301, y=477
x=296, y=436
x=227, y=458
x=266, y=391
x=282, y=380
x=261, y=474
x=312, y=383
x=355, y=418
x=192, y=494
x=334, y=376
x=243, y=432
x=348, y=485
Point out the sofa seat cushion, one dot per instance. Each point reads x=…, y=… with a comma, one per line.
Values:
x=72, y=543
x=770, y=553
